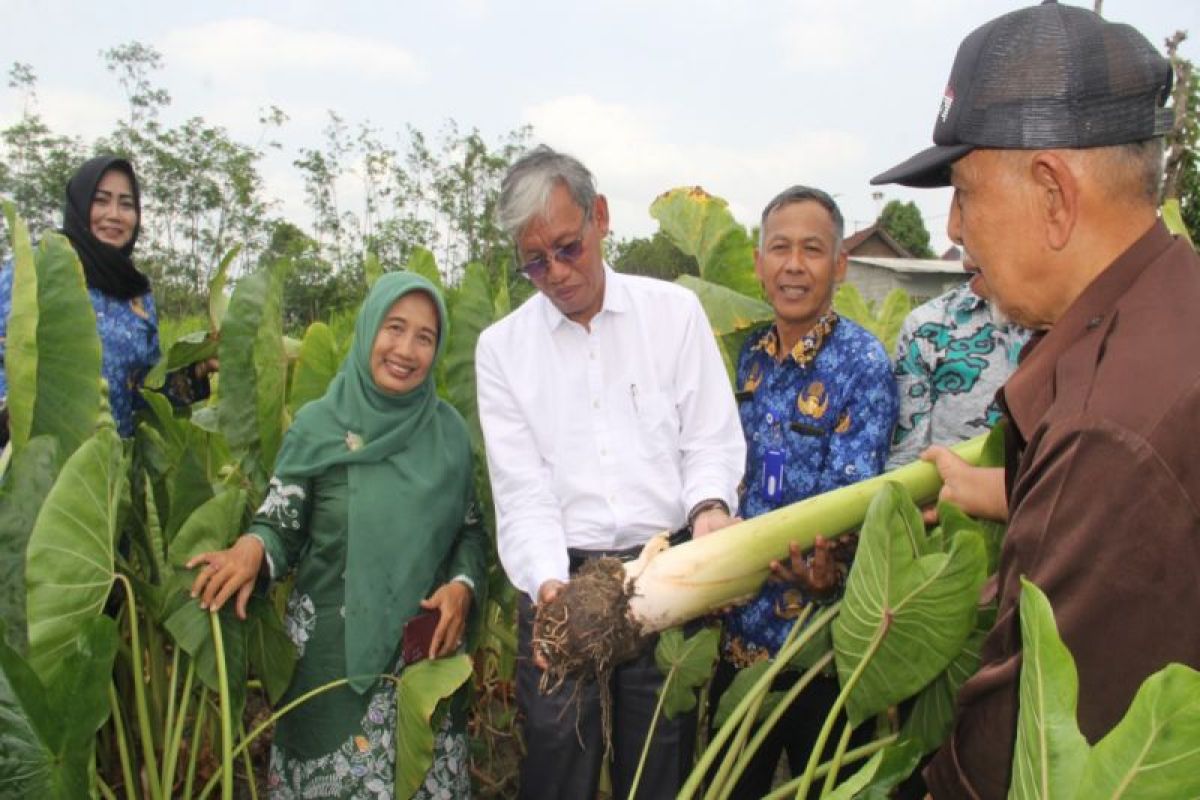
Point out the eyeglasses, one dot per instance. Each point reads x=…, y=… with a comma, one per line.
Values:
x=535, y=268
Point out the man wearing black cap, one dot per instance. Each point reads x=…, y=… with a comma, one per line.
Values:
x=1050, y=133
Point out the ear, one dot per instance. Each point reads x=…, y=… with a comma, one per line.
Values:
x=600, y=215
x=1057, y=196
x=839, y=265
x=758, y=265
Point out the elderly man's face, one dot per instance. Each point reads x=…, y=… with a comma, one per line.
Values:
x=575, y=285
x=993, y=216
x=798, y=265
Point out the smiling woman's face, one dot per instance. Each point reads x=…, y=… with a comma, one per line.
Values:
x=114, y=213
x=406, y=344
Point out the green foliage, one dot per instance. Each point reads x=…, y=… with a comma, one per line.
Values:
x=422, y=686
x=70, y=557
x=471, y=310
x=320, y=357
x=885, y=324
x=904, y=223
x=687, y=664
x=701, y=226
x=655, y=257
x=22, y=494
x=885, y=770
x=52, y=355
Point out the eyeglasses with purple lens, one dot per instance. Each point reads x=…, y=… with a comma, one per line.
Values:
x=535, y=268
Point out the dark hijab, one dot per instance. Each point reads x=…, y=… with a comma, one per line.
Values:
x=105, y=267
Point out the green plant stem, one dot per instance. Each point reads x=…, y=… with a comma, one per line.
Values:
x=271, y=720
x=155, y=679
x=764, y=730
x=227, y=777
x=248, y=764
x=122, y=746
x=692, y=786
x=104, y=789
x=171, y=756
x=815, y=756
x=857, y=754
x=835, y=764
x=722, y=784
x=145, y=731
x=168, y=721
x=197, y=734
x=662, y=697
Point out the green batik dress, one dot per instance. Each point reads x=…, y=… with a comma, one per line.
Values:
x=341, y=743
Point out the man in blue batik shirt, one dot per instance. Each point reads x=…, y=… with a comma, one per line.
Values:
x=818, y=402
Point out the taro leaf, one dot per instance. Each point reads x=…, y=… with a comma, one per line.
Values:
x=422, y=262
x=470, y=313
x=52, y=352
x=727, y=311
x=190, y=488
x=272, y=654
x=1153, y=751
x=1050, y=753
x=184, y=351
x=687, y=664
x=917, y=611
x=191, y=629
x=212, y=526
x=422, y=686
x=25, y=486
x=743, y=682
x=162, y=417
x=372, y=269
x=218, y=301
x=932, y=715
x=502, y=301
x=318, y=363
x=254, y=368
x=1172, y=217
x=848, y=302
x=701, y=226
x=883, y=772
x=69, y=567
x=890, y=319
x=951, y=520
x=47, y=734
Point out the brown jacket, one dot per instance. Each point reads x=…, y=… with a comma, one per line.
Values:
x=1104, y=505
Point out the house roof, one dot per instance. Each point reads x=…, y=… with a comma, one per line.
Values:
x=859, y=238
x=911, y=265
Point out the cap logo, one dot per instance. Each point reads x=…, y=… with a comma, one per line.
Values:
x=947, y=101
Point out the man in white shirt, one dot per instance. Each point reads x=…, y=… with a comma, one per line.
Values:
x=608, y=417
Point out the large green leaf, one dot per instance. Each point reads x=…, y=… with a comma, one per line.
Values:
x=701, y=226
x=52, y=356
x=22, y=492
x=882, y=772
x=212, y=526
x=932, y=715
x=848, y=302
x=915, y=608
x=254, y=368
x=319, y=359
x=1051, y=752
x=687, y=665
x=422, y=262
x=218, y=301
x=727, y=310
x=69, y=567
x=470, y=313
x=422, y=686
x=47, y=732
x=890, y=319
x=1172, y=217
x=1154, y=752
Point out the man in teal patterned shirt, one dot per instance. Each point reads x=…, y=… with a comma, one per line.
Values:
x=952, y=355
x=817, y=402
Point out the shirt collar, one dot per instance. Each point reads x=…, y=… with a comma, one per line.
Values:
x=807, y=348
x=616, y=299
x=1031, y=390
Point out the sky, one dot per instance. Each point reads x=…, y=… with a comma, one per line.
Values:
x=741, y=98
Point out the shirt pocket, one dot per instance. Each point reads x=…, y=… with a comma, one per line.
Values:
x=656, y=425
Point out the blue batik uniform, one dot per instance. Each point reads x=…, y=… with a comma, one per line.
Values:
x=818, y=419
x=128, y=332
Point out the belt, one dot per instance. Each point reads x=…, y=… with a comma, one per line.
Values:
x=578, y=556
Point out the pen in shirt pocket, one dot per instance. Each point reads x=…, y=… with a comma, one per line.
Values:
x=633, y=396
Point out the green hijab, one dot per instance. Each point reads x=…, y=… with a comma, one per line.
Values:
x=402, y=453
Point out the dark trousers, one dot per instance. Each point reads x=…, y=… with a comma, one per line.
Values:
x=796, y=732
x=564, y=743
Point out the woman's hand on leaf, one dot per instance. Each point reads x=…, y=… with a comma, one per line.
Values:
x=224, y=573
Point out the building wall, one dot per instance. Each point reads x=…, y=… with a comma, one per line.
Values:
x=875, y=282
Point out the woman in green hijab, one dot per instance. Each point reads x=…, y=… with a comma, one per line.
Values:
x=371, y=506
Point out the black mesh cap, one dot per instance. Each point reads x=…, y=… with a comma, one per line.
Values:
x=1050, y=76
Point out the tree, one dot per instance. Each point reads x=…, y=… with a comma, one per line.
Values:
x=903, y=223
x=1181, y=180
x=656, y=257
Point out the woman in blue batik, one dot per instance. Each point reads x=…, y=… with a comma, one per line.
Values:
x=102, y=218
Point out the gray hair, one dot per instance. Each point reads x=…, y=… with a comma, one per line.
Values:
x=799, y=194
x=525, y=190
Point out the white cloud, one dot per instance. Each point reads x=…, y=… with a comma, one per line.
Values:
x=234, y=48
x=637, y=154
x=71, y=113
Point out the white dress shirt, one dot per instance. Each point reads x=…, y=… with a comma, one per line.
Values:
x=600, y=438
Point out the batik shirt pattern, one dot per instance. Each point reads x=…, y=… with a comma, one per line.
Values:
x=826, y=411
x=952, y=354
